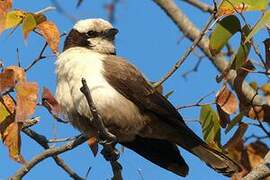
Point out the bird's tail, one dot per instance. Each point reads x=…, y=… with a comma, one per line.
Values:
x=216, y=160
x=213, y=158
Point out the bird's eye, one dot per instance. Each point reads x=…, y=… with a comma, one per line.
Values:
x=92, y=34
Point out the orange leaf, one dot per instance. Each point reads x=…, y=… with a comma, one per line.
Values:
x=26, y=95
x=9, y=76
x=50, y=102
x=19, y=73
x=93, y=145
x=12, y=139
x=9, y=129
x=226, y=100
x=51, y=33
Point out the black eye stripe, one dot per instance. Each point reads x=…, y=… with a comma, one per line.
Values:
x=93, y=34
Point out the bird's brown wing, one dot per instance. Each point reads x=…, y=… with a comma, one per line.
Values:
x=161, y=152
x=127, y=80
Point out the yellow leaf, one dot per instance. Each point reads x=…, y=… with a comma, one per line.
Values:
x=28, y=25
x=51, y=33
x=14, y=18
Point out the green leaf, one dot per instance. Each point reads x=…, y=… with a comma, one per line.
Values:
x=210, y=124
x=264, y=20
x=14, y=18
x=224, y=30
x=28, y=25
x=228, y=7
x=169, y=94
x=235, y=120
x=243, y=51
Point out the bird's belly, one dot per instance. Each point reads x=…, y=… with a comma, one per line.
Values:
x=119, y=114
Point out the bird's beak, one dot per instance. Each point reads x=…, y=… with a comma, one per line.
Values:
x=110, y=33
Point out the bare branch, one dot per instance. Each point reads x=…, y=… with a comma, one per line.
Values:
x=50, y=152
x=192, y=32
x=105, y=138
x=262, y=171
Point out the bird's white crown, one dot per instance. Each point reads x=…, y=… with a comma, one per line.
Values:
x=85, y=25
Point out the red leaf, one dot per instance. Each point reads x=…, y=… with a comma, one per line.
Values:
x=93, y=145
x=50, y=103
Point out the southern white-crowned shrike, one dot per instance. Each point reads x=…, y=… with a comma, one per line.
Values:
x=140, y=117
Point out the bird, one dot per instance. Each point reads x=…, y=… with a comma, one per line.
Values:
x=141, y=118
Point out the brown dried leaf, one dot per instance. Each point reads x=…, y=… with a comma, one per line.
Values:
x=93, y=145
x=226, y=100
x=7, y=80
x=51, y=33
x=261, y=113
x=26, y=95
x=224, y=118
x=256, y=152
x=49, y=101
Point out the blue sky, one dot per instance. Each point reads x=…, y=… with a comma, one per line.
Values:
x=149, y=40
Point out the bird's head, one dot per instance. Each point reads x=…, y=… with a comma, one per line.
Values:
x=95, y=34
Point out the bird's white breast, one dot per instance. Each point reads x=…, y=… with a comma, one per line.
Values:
x=77, y=63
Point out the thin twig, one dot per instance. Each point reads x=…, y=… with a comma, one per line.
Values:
x=198, y=103
x=51, y=152
x=186, y=54
x=42, y=11
x=18, y=57
x=105, y=138
x=40, y=57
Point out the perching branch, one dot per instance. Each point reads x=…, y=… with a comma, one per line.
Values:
x=262, y=171
x=106, y=139
x=192, y=32
x=51, y=152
